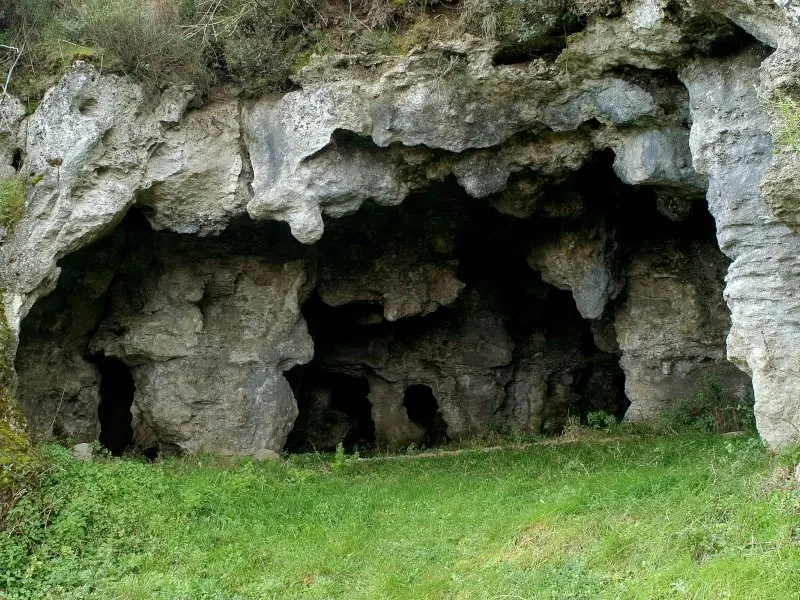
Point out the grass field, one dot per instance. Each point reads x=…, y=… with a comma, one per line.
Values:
x=629, y=517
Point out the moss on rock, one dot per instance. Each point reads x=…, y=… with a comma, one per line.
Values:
x=15, y=445
x=12, y=201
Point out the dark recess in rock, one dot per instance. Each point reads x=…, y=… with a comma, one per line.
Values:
x=16, y=160
x=663, y=85
x=711, y=35
x=733, y=42
x=116, y=398
x=333, y=408
x=423, y=409
x=546, y=46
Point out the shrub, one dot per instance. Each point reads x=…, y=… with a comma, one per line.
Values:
x=261, y=43
x=525, y=20
x=341, y=461
x=147, y=37
x=261, y=62
x=600, y=419
x=28, y=23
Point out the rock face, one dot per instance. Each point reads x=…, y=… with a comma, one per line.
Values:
x=91, y=148
x=731, y=143
x=59, y=389
x=195, y=172
x=671, y=327
x=207, y=349
x=413, y=248
x=581, y=261
x=205, y=334
x=404, y=275
x=553, y=373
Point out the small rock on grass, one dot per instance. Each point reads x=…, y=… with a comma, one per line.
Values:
x=82, y=451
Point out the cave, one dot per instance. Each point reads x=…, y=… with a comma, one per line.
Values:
x=438, y=319
x=16, y=160
x=422, y=409
x=333, y=409
x=116, y=398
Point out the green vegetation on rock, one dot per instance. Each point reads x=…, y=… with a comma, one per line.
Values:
x=644, y=516
x=12, y=201
x=258, y=43
x=17, y=461
x=709, y=411
x=788, y=130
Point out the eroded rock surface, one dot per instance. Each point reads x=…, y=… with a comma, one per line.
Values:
x=460, y=358
x=730, y=142
x=581, y=261
x=59, y=387
x=671, y=327
x=207, y=341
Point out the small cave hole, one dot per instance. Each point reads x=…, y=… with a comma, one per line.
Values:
x=423, y=409
x=547, y=46
x=349, y=396
x=87, y=106
x=117, y=388
x=333, y=408
x=16, y=160
x=730, y=42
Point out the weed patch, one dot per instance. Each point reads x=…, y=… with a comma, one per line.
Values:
x=709, y=411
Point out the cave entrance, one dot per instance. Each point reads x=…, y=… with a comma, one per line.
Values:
x=117, y=388
x=349, y=396
x=423, y=409
x=333, y=408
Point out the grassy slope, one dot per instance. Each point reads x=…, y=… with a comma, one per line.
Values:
x=690, y=516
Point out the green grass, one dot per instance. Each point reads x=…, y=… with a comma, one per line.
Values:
x=693, y=516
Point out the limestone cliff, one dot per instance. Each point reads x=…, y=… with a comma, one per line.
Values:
x=413, y=248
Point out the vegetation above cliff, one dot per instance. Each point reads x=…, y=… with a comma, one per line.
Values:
x=258, y=43
x=629, y=517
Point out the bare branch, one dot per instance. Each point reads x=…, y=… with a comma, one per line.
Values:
x=18, y=54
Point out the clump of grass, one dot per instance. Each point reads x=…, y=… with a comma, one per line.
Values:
x=12, y=201
x=788, y=133
x=146, y=36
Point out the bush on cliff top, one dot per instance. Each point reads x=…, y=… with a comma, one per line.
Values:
x=257, y=42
